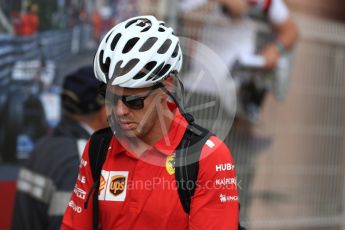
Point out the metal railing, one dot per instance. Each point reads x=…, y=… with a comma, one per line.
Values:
x=53, y=45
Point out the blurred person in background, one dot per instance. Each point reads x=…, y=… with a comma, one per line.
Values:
x=45, y=184
x=273, y=12
x=244, y=140
x=107, y=19
x=277, y=15
x=34, y=18
x=27, y=23
x=96, y=21
x=15, y=19
x=230, y=41
x=102, y=20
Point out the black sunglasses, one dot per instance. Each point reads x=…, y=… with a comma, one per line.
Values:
x=131, y=101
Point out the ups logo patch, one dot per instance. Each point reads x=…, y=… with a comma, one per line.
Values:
x=117, y=185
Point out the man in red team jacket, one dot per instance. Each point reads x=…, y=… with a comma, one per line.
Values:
x=138, y=60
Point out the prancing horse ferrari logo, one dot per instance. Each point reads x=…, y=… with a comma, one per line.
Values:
x=170, y=164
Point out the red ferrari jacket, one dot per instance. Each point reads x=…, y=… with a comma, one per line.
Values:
x=140, y=192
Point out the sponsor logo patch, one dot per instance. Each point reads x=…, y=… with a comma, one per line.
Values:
x=170, y=164
x=83, y=163
x=101, y=184
x=75, y=207
x=210, y=144
x=113, y=185
x=117, y=185
x=79, y=193
x=226, y=181
x=224, y=198
x=82, y=179
x=225, y=167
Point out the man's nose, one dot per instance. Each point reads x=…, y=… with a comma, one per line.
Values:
x=120, y=108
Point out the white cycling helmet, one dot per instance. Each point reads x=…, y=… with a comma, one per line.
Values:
x=137, y=53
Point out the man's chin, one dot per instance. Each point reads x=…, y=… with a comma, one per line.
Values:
x=129, y=133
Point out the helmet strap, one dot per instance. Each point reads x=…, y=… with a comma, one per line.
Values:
x=188, y=116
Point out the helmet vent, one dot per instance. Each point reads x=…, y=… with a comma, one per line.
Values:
x=106, y=40
x=166, y=45
x=146, y=29
x=140, y=75
x=144, y=22
x=161, y=29
x=128, y=67
x=114, y=41
x=163, y=71
x=155, y=72
x=147, y=68
x=104, y=66
x=148, y=44
x=174, y=54
x=131, y=23
x=130, y=44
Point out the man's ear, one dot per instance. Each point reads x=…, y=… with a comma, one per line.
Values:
x=169, y=83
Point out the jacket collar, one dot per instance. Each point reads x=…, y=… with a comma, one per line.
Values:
x=71, y=128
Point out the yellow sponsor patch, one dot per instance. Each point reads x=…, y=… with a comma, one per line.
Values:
x=170, y=164
x=101, y=183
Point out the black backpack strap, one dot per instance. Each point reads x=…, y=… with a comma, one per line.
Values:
x=98, y=146
x=187, y=162
x=98, y=149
